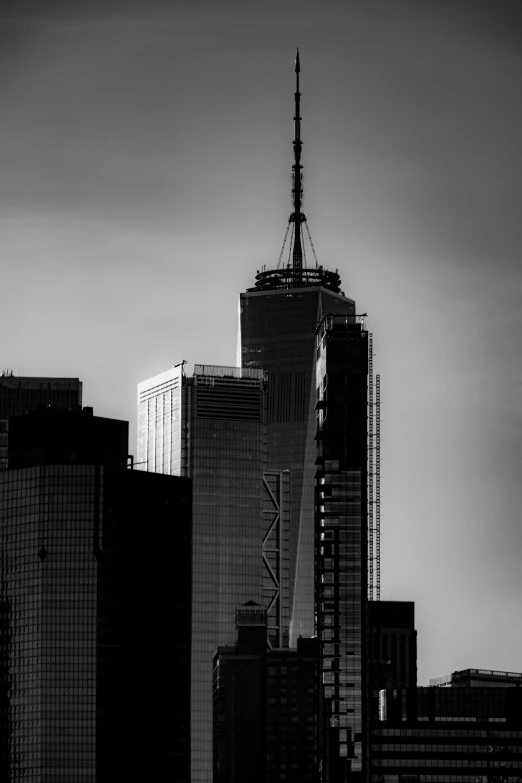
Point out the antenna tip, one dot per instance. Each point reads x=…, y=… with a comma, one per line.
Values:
x=297, y=66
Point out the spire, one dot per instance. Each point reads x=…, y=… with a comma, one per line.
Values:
x=297, y=216
x=296, y=273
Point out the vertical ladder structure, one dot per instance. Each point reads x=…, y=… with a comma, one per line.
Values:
x=374, y=479
x=378, y=487
x=370, y=469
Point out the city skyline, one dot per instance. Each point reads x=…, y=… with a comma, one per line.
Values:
x=131, y=148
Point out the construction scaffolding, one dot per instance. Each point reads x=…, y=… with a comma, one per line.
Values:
x=374, y=479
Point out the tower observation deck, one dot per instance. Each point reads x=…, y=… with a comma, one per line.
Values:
x=295, y=273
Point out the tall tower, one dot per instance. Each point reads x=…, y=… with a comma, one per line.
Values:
x=211, y=427
x=277, y=320
x=341, y=541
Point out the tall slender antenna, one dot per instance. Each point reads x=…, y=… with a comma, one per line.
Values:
x=297, y=216
x=296, y=273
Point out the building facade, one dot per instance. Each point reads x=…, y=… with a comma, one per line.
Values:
x=478, y=678
x=19, y=394
x=276, y=334
x=211, y=427
x=265, y=707
x=392, y=645
x=448, y=735
x=341, y=541
x=80, y=575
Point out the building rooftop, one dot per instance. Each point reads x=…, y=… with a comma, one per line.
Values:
x=288, y=277
x=477, y=677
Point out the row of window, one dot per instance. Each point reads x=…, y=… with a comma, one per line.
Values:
x=464, y=763
x=422, y=748
x=453, y=733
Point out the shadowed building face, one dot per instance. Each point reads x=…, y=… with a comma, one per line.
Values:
x=87, y=549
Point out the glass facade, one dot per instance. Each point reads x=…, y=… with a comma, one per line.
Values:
x=276, y=334
x=48, y=585
x=341, y=540
x=20, y=394
x=212, y=428
x=80, y=682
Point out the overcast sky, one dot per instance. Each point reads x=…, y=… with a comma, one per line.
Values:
x=145, y=158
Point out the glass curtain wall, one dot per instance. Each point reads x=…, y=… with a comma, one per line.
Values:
x=276, y=334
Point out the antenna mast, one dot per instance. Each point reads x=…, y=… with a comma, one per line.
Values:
x=295, y=273
x=297, y=216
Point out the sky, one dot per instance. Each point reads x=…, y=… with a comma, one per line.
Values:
x=145, y=175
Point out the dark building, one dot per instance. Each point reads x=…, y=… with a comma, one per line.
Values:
x=211, y=427
x=90, y=555
x=240, y=701
x=341, y=540
x=292, y=713
x=21, y=394
x=393, y=645
x=464, y=734
x=277, y=321
x=265, y=707
x=61, y=437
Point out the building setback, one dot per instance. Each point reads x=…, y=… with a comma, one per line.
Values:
x=94, y=608
x=212, y=427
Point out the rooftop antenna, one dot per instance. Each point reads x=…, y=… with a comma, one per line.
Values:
x=295, y=273
x=297, y=216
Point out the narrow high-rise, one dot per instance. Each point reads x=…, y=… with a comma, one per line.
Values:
x=277, y=321
x=342, y=542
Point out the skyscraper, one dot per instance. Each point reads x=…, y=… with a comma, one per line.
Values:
x=95, y=620
x=19, y=394
x=341, y=539
x=277, y=320
x=212, y=428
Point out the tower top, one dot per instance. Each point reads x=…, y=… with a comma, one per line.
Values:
x=296, y=274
